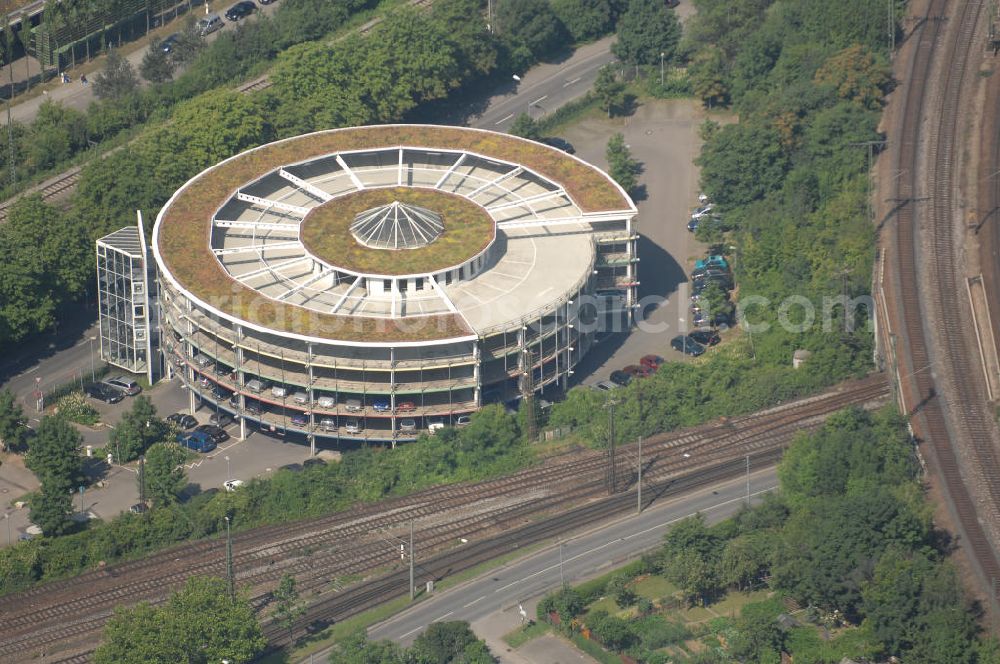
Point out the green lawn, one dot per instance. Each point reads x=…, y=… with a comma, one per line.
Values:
x=518, y=637
x=654, y=587
x=731, y=604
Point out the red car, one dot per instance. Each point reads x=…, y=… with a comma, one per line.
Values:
x=637, y=371
x=405, y=407
x=651, y=362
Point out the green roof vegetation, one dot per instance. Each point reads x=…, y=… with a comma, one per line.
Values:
x=185, y=222
x=468, y=229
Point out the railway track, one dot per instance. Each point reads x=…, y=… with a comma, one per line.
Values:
x=66, y=616
x=940, y=381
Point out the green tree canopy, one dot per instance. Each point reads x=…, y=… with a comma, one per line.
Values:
x=526, y=127
x=647, y=29
x=585, y=19
x=157, y=66
x=198, y=624
x=531, y=23
x=622, y=167
x=164, y=473
x=138, y=428
x=11, y=421
x=117, y=79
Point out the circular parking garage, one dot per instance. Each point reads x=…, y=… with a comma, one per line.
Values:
x=375, y=282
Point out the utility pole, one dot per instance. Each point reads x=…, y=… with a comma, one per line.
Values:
x=611, y=447
x=638, y=507
x=142, y=478
x=748, y=480
x=229, y=563
x=411, y=560
x=562, y=580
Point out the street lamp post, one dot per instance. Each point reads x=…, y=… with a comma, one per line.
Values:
x=6, y=517
x=93, y=374
x=229, y=475
x=562, y=581
x=661, y=68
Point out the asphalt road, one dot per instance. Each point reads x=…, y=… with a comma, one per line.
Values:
x=584, y=556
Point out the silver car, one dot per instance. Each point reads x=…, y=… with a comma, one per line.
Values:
x=353, y=425
x=408, y=424
x=209, y=24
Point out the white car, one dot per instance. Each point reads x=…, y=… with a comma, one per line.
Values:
x=232, y=485
x=703, y=211
x=326, y=401
x=353, y=425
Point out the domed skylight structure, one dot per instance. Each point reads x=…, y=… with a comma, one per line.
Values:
x=397, y=226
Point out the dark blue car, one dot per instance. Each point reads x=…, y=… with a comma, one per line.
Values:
x=198, y=441
x=381, y=405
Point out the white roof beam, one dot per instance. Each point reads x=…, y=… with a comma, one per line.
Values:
x=444, y=296
x=256, y=225
x=308, y=282
x=269, y=204
x=350, y=173
x=451, y=170
x=526, y=201
x=270, y=268
x=399, y=175
x=347, y=293
x=258, y=247
x=506, y=176
x=305, y=186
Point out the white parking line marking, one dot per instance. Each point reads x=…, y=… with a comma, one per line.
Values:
x=499, y=122
x=542, y=98
x=569, y=83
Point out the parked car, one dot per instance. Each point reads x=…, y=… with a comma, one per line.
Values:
x=300, y=419
x=209, y=24
x=220, y=393
x=139, y=508
x=463, y=420
x=652, y=362
x=405, y=406
x=637, y=371
x=352, y=425
x=710, y=221
x=234, y=400
x=126, y=385
x=240, y=10
x=714, y=260
x=381, y=405
x=103, y=392
x=434, y=425
x=257, y=385
x=203, y=361
x=232, y=485
x=328, y=424
x=300, y=398
x=223, y=370
x=702, y=211
x=216, y=433
x=699, y=284
x=292, y=467
x=168, y=44
x=314, y=461
x=326, y=401
x=204, y=381
x=221, y=419
x=687, y=345
x=182, y=421
x=408, y=424
x=716, y=274
x=559, y=144
x=279, y=391
x=353, y=406
x=620, y=378
x=253, y=407
x=266, y=2
x=198, y=441
x=706, y=337
x=606, y=386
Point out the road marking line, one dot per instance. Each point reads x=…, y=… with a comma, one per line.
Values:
x=32, y=370
x=499, y=122
x=444, y=616
x=542, y=98
x=575, y=80
x=412, y=631
x=633, y=535
x=474, y=601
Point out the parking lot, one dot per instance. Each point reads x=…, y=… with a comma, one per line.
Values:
x=663, y=136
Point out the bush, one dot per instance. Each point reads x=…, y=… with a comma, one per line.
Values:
x=74, y=407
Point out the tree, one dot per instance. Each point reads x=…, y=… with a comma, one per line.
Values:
x=619, y=588
x=526, y=127
x=198, y=624
x=621, y=166
x=188, y=45
x=759, y=637
x=714, y=301
x=531, y=23
x=138, y=428
x=164, y=473
x=118, y=78
x=742, y=163
x=157, y=65
x=11, y=421
x=647, y=29
x=45, y=262
x=612, y=631
x=54, y=454
x=609, y=89
x=355, y=648
x=50, y=510
x=707, y=74
x=857, y=75
x=585, y=19
x=443, y=642
x=289, y=608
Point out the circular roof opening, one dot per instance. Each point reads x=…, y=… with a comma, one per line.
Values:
x=397, y=226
